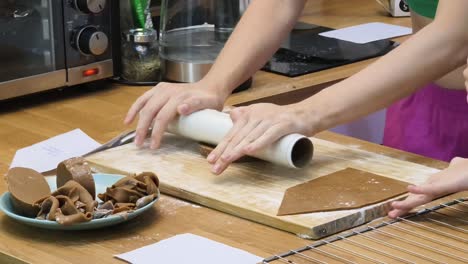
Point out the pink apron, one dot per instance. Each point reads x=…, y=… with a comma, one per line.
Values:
x=432, y=122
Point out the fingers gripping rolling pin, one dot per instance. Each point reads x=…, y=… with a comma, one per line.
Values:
x=210, y=126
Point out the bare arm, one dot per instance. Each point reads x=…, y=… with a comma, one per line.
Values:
x=437, y=49
x=434, y=51
x=255, y=38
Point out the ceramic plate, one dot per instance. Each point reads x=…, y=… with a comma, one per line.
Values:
x=102, y=182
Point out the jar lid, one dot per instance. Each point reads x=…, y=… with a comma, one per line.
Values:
x=141, y=35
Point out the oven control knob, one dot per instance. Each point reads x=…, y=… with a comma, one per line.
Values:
x=90, y=6
x=91, y=41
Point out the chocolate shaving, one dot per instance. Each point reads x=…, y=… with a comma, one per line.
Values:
x=131, y=193
x=150, y=175
x=76, y=192
x=123, y=209
x=49, y=206
x=109, y=205
x=131, y=189
x=62, y=208
x=67, y=206
x=145, y=200
x=101, y=213
x=72, y=219
x=72, y=203
x=123, y=195
x=127, y=205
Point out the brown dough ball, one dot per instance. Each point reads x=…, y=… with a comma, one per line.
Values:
x=26, y=187
x=76, y=169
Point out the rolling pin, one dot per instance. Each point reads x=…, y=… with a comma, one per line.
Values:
x=210, y=126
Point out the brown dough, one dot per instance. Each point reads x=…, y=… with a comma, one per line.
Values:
x=72, y=203
x=123, y=207
x=26, y=186
x=130, y=183
x=151, y=185
x=76, y=192
x=144, y=175
x=342, y=190
x=68, y=205
x=131, y=193
x=123, y=195
x=73, y=218
x=76, y=169
x=48, y=207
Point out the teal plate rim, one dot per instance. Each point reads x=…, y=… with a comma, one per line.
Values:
x=102, y=180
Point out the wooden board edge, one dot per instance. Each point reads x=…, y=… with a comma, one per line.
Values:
x=306, y=232
x=358, y=218
x=7, y=258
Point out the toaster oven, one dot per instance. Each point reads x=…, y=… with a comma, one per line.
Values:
x=47, y=44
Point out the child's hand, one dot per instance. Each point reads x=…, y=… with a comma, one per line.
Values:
x=452, y=179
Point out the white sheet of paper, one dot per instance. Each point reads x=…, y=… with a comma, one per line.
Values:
x=189, y=248
x=46, y=155
x=368, y=32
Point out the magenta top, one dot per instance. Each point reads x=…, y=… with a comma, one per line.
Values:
x=432, y=122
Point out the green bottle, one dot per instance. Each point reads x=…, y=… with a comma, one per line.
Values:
x=139, y=8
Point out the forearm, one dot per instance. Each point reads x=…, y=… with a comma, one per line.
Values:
x=256, y=37
x=426, y=56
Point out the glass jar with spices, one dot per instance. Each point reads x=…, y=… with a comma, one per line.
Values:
x=140, y=56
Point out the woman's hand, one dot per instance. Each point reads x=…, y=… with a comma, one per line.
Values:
x=160, y=105
x=255, y=127
x=451, y=180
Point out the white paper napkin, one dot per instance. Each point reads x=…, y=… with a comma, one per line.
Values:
x=188, y=249
x=368, y=32
x=47, y=154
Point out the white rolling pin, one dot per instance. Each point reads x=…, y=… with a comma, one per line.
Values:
x=210, y=126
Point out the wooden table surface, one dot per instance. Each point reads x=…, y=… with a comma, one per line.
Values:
x=98, y=110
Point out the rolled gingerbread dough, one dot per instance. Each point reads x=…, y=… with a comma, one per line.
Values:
x=342, y=190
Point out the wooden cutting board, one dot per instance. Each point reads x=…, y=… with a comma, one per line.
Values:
x=254, y=190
